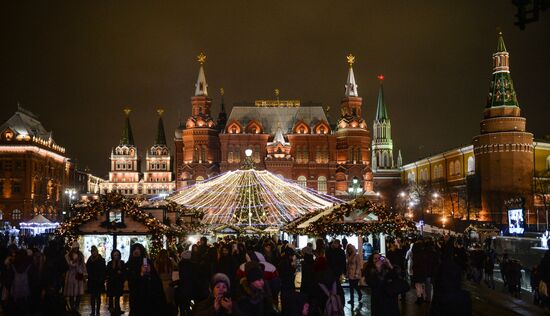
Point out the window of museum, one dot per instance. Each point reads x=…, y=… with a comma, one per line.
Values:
x=457, y=167
x=302, y=181
x=452, y=168
x=548, y=163
x=322, y=184
x=16, y=214
x=1, y=215
x=16, y=187
x=471, y=165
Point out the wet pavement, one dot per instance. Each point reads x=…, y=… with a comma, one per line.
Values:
x=484, y=302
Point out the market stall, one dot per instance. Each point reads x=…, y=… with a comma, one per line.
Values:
x=38, y=225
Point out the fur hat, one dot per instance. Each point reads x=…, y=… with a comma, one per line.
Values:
x=220, y=277
x=253, y=271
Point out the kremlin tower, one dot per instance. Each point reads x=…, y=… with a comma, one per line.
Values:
x=503, y=150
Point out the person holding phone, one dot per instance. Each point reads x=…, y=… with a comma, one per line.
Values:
x=219, y=302
x=146, y=293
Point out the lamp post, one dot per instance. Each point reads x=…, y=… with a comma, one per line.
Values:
x=71, y=194
x=355, y=189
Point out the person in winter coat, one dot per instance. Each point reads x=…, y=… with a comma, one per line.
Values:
x=514, y=278
x=353, y=272
x=270, y=273
x=19, y=283
x=187, y=270
x=307, y=284
x=226, y=263
x=146, y=294
x=255, y=297
x=165, y=266
x=378, y=272
x=287, y=273
x=95, y=266
x=219, y=303
x=74, y=278
x=115, y=276
x=419, y=271
x=449, y=298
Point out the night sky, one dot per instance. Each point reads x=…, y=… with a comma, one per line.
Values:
x=77, y=64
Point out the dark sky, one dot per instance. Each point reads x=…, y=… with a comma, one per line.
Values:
x=77, y=64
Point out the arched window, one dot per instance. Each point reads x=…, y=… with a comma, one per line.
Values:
x=302, y=181
x=457, y=167
x=16, y=214
x=1, y=215
x=322, y=184
x=471, y=165
x=385, y=160
x=199, y=179
x=411, y=177
x=452, y=168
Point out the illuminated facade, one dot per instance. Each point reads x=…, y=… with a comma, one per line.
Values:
x=294, y=141
x=502, y=164
x=34, y=170
x=125, y=176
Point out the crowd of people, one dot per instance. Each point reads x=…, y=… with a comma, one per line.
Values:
x=253, y=276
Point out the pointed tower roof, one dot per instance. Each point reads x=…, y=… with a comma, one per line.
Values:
x=399, y=159
x=279, y=137
x=500, y=44
x=127, y=136
x=501, y=91
x=381, y=110
x=222, y=116
x=201, y=87
x=351, y=86
x=161, y=137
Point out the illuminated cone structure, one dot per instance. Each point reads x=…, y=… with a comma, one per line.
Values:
x=251, y=197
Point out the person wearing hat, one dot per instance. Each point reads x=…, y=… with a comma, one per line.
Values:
x=255, y=295
x=219, y=302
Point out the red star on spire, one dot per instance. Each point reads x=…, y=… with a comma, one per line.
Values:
x=380, y=77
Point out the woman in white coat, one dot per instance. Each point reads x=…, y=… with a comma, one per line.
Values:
x=354, y=265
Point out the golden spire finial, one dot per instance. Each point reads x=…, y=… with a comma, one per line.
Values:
x=222, y=91
x=351, y=59
x=277, y=92
x=127, y=110
x=201, y=58
x=160, y=111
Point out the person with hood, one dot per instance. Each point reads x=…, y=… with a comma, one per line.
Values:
x=270, y=273
x=146, y=294
x=74, y=278
x=115, y=275
x=255, y=295
x=308, y=282
x=95, y=266
x=219, y=302
x=354, y=265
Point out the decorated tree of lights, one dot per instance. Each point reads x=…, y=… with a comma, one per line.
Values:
x=249, y=197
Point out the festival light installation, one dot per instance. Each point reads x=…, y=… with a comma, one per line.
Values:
x=250, y=197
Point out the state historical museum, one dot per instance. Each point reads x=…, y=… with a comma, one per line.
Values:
x=291, y=140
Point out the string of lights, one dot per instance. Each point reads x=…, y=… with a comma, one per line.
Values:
x=251, y=197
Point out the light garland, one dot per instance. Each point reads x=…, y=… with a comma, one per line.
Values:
x=251, y=198
x=357, y=217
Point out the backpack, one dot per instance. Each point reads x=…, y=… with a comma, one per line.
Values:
x=20, y=288
x=333, y=306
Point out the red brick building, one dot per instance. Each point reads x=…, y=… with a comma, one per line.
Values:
x=295, y=141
